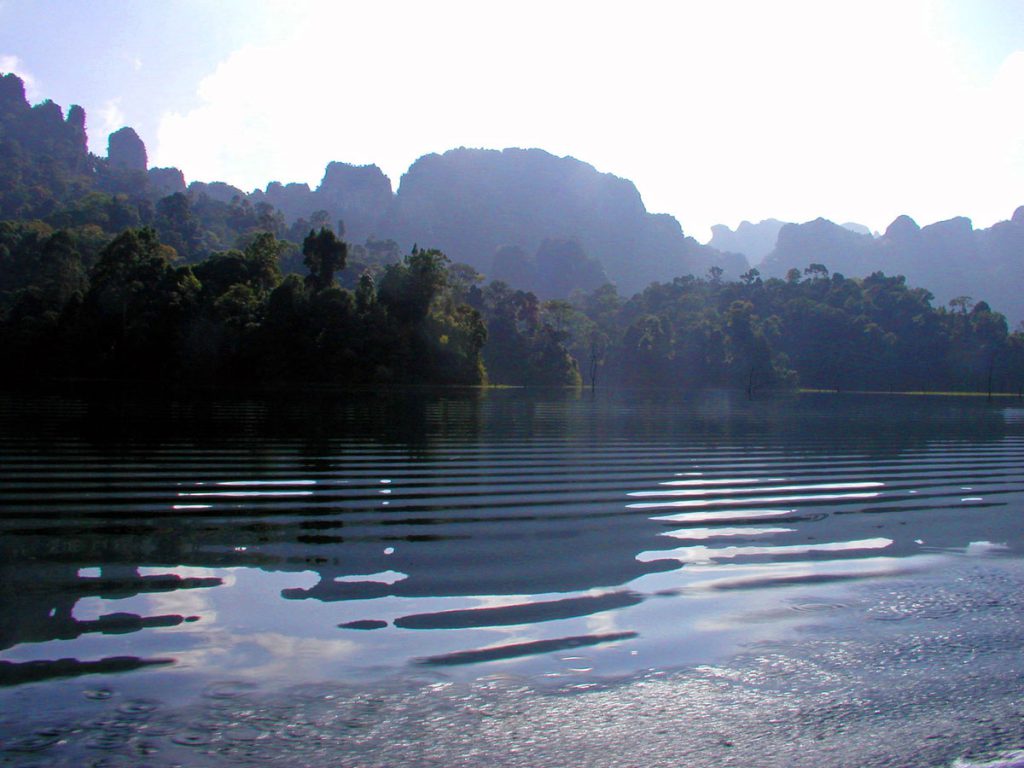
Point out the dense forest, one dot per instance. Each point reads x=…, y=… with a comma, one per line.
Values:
x=112, y=270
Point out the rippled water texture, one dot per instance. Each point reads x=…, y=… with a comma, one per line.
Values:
x=511, y=578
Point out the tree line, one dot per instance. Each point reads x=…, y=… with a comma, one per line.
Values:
x=812, y=329
x=75, y=302
x=138, y=312
x=103, y=274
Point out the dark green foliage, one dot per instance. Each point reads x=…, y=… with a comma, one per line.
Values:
x=73, y=306
x=324, y=255
x=139, y=313
x=824, y=331
x=47, y=173
x=257, y=268
x=103, y=274
x=137, y=306
x=523, y=347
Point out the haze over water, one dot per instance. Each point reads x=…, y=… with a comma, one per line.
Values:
x=326, y=576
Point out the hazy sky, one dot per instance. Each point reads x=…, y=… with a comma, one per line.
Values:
x=718, y=111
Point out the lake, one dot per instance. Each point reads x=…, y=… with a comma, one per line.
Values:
x=510, y=577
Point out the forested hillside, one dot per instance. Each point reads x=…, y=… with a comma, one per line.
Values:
x=113, y=270
x=951, y=257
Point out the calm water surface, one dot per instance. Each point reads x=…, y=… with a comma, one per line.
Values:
x=315, y=579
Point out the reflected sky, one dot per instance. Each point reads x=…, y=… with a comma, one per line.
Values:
x=346, y=536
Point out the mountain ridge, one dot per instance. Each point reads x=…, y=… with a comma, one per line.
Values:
x=472, y=203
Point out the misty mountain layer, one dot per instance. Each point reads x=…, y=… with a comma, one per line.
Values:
x=540, y=222
x=950, y=257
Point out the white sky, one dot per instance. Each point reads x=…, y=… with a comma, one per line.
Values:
x=718, y=111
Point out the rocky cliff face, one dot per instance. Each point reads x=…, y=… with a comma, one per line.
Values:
x=470, y=202
x=126, y=150
x=216, y=190
x=357, y=195
x=950, y=258
x=39, y=149
x=755, y=241
x=820, y=242
x=165, y=181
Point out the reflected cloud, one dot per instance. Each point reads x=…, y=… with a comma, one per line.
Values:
x=738, y=514
x=766, y=489
x=241, y=494
x=697, y=534
x=762, y=575
x=382, y=577
x=720, y=481
x=702, y=554
x=265, y=654
x=232, y=483
x=982, y=548
x=757, y=500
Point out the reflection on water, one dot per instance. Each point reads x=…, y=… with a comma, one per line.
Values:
x=559, y=535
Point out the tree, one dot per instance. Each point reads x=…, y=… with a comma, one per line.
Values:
x=257, y=267
x=817, y=272
x=751, y=277
x=138, y=301
x=366, y=294
x=962, y=304
x=407, y=289
x=324, y=255
x=177, y=225
x=749, y=353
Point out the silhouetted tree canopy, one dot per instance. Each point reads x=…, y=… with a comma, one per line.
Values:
x=112, y=270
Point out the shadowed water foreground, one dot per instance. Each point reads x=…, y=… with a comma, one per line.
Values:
x=512, y=578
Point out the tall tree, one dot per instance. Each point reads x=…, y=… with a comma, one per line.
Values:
x=324, y=255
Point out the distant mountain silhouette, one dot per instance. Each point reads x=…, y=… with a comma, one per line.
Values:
x=755, y=241
x=215, y=190
x=513, y=214
x=950, y=257
x=855, y=227
x=359, y=196
x=471, y=202
x=166, y=181
x=821, y=242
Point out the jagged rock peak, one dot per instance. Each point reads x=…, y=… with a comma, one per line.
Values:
x=220, y=191
x=958, y=225
x=544, y=173
x=277, y=188
x=166, y=181
x=853, y=226
x=12, y=91
x=76, y=118
x=342, y=176
x=126, y=150
x=902, y=227
x=755, y=241
x=48, y=113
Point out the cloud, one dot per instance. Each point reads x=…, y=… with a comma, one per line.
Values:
x=734, y=109
x=1007, y=110
x=13, y=64
x=108, y=118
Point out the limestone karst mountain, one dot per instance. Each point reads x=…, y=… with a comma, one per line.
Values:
x=492, y=209
x=950, y=258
